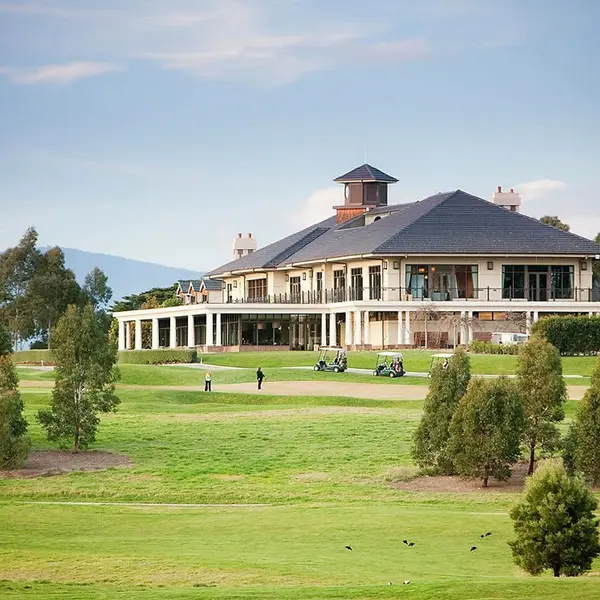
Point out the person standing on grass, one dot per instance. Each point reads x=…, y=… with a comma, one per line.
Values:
x=208, y=382
x=259, y=377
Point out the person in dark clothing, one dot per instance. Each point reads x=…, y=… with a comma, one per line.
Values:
x=259, y=377
x=208, y=382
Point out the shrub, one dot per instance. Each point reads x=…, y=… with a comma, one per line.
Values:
x=555, y=524
x=158, y=357
x=39, y=345
x=33, y=357
x=571, y=335
x=479, y=347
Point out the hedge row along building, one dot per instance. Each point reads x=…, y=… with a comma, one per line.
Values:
x=441, y=271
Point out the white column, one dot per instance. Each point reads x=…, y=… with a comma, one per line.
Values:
x=138, y=334
x=155, y=336
x=470, y=327
x=400, y=334
x=127, y=336
x=528, y=322
x=358, y=325
x=218, y=327
x=348, y=329
x=324, y=329
x=367, y=326
x=536, y=316
x=172, y=332
x=332, y=330
x=407, y=331
x=122, y=326
x=463, y=328
x=209, y=329
x=191, y=332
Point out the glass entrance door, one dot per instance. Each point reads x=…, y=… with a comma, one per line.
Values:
x=538, y=287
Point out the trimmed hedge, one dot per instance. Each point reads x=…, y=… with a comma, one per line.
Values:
x=37, y=357
x=157, y=357
x=571, y=335
x=480, y=347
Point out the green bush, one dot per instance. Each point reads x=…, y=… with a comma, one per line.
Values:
x=33, y=357
x=571, y=335
x=157, y=357
x=478, y=347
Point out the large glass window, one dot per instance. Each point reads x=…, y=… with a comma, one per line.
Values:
x=356, y=283
x=538, y=283
x=339, y=285
x=257, y=289
x=295, y=289
x=375, y=283
x=442, y=282
x=319, y=286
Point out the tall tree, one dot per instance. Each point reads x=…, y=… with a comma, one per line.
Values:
x=554, y=221
x=97, y=290
x=540, y=380
x=585, y=432
x=555, y=524
x=18, y=266
x=446, y=388
x=156, y=296
x=85, y=377
x=51, y=290
x=14, y=443
x=485, y=432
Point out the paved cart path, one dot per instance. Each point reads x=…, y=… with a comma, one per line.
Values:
x=370, y=391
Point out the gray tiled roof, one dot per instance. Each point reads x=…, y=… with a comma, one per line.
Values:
x=448, y=223
x=366, y=172
x=213, y=285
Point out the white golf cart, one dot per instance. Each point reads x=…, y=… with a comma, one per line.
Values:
x=338, y=365
x=444, y=358
x=389, y=364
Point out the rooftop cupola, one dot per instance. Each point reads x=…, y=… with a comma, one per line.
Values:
x=364, y=188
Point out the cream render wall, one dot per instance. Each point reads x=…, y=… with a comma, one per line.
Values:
x=394, y=280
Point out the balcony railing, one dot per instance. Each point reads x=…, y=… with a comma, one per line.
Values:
x=486, y=294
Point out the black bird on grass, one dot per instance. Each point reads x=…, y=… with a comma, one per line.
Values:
x=405, y=542
x=410, y=544
x=488, y=534
x=473, y=548
x=348, y=547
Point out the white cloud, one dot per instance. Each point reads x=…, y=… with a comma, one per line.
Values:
x=540, y=188
x=318, y=206
x=266, y=41
x=59, y=73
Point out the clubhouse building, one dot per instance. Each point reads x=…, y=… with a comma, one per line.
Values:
x=442, y=271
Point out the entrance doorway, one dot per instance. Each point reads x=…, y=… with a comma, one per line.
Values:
x=538, y=287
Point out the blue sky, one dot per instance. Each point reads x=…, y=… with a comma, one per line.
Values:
x=157, y=130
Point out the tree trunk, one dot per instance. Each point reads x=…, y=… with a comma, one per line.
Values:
x=486, y=476
x=556, y=570
x=531, y=457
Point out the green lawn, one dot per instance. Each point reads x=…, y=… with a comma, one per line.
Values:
x=414, y=360
x=274, y=552
x=321, y=468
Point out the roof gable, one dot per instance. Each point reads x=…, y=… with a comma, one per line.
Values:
x=366, y=172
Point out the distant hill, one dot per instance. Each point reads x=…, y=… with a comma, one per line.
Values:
x=125, y=276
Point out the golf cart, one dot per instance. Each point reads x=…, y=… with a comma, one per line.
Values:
x=389, y=364
x=436, y=358
x=338, y=365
